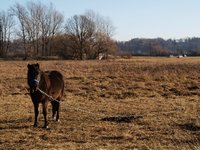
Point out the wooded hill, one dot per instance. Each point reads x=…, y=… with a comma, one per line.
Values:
x=160, y=47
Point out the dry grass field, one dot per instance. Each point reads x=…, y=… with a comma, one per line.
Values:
x=163, y=91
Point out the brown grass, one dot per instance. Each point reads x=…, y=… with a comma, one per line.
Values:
x=165, y=91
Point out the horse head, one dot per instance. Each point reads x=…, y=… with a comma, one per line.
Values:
x=33, y=76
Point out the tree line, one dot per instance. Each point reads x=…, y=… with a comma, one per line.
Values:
x=37, y=30
x=160, y=47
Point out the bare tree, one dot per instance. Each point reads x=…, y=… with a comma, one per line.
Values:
x=6, y=29
x=1, y=38
x=56, y=20
x=32, y=27
x=20, y=12
x=39, y=23
x=89, y=35
x=80, y=29
x=103, y=24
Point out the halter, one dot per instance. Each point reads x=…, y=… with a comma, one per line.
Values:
x=34, y=82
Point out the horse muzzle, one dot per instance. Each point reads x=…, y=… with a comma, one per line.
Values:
x=34, y=84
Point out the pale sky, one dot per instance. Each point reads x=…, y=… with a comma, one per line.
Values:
x=136, y=18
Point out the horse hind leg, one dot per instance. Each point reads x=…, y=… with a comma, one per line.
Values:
x=57, y=110
x=53, y=110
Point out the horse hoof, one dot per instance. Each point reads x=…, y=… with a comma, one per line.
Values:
x=58, y=120
x=46, y=127
x=35, y=125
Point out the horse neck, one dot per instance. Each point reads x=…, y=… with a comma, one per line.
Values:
x=44, y=82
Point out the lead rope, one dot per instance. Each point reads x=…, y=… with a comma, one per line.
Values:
x=105, y=117
x=48, y=95
x=78, y=109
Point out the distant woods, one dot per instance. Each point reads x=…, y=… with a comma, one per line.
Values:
x=37, y=30
x=160, y=47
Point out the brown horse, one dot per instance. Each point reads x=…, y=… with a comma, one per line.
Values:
x=50, y=82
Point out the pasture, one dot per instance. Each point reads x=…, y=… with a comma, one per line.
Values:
x=163, y=91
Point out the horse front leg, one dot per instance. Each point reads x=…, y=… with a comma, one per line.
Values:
x=44, y=106
x=36, y=114
x=57, y=109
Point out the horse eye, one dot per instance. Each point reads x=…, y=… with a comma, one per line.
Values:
x=38, y=71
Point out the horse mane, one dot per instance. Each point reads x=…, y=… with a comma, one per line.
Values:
x=44, y=83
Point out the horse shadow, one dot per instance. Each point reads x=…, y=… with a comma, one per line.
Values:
x=122, y=118
x=189, y=127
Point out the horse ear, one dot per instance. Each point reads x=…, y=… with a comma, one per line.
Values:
x=28, y=66
x=37, y=65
